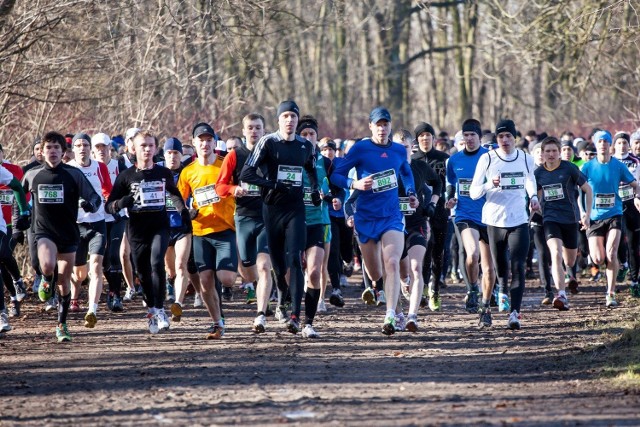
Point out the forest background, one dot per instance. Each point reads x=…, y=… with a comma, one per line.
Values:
x=97, y=65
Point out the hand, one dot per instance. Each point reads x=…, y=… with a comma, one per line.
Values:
x=117, y=217
x=413, y=201
x=496, y=181
x=18, y=237
x=585, y=221
x=336, y=204
x=534, y=205
x=636, y=203
x=185, y=216
x=126, y=202
x=363, y=184
x=281, y=188
x=349, y=221
x=88, y=206
x=23, y=222
x=430, y=210
x=451, y=203
x=193, y=214
x=239, y=192
x=316, y=197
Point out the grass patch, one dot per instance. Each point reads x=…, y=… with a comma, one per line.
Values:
x=622, y=360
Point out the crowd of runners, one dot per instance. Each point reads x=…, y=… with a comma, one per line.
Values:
x=293, y=215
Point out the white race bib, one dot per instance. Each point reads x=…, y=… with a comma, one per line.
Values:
x=251, y=189
x=206, y=195
x=50, y=194
x=604, y=201
x=405, y=208
x=384, y=181
x=512, y=180
x=290, y=175
x=625, y=192
x=6, y=197
x=553, y=192
x=463, y=187
x=152, y=194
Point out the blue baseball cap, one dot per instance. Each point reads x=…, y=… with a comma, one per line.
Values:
x=173, y=144
x=379, y=113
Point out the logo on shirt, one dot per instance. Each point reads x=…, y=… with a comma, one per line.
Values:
x=384, y=155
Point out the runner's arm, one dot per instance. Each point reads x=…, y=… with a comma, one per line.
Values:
x=225, y=186
x=480, y=184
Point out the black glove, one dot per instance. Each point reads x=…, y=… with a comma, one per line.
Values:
x=185, y=216
x=315, y=197
x=281, y=188
x=88, y=206
x=18, y=237
x=117, y=217
x=430, y=210
x=125, y=202
x=23, y=222
x=193, y=213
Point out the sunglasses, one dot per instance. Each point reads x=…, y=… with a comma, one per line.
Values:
x=589, y=153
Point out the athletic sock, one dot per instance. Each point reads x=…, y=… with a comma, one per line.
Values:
x=94, y=308
x=311, y=299
x=63, y=308
x=486, y=303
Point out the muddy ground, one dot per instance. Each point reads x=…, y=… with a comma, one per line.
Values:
x=449, y=373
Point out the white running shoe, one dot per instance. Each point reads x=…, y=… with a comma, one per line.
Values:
x=163, y=320
x=4, y=322
x=514, y=320
x=259, y=324
x=197, y=301
x=309, y=332
x=322, y=307
x=51, y=304
x=129, y=295
x=153, y=323
x=382, y=299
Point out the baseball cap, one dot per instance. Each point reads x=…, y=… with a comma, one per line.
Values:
x=203, y=129
x=131, y=132
x=100, y=138
x=379, y=113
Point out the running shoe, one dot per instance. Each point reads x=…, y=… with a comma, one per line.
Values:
x=110, y=297
x=215, y=332
x=153, y=323
x=596, y=277
x=634, y=289
x=293, y=325
x=163, y=320
x=389, y=325
x=309, y=332
x=51, y=304
x=514, y=320
x=423, y=301
x=485, y=318
x=561, y=303
x=400, y=322
x=382, y=299
x=259, y=324
x=45, y=290
x=572, y=285
x=269, y=312
x=434, y=301
x=227, y=294
x=35, y=287
x=117, y=304
x=322, y=307
x=343, y=280
x=548, y=298
x=406, y=290
x=503, y=303
x=176, y=312
x=90, y=319
x=274, y=295
x=74, y=307
x=4, y=322
x=129, y=294
x=622, y=274
x=347, y=269
x=471, y=304
x=412, y=323
x=197, y=300
x=14, y=308
x=281, y=314
x=336, y=298
x=611, y=301
x=356, y=265
x=171, y=293
x=62, y=333
x=251, y=296
x=369, y=296
x=139, y=290
x=21, y=290
x=530, y=275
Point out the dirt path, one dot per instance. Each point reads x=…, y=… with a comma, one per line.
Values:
x=450, y=373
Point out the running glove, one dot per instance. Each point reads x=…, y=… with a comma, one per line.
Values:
x=125, y=202
x=88, y=206
x=18, y=237
x=430, y=210
x=316, y=199
x=23, y=222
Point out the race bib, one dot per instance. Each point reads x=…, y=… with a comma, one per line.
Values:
x=6, y=197
x=290, y=175
x=251, y=189
x=553, y=192
x=625, y=192
x=512, y=180
x=463, y=187
x=405, y=208
x=307, y=197
x=152, y=194
x=604, y=201
x=169, y=205
x=50, y=193
x=206, y=195
x=384, y=181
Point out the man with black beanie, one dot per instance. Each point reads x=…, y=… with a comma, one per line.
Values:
x=438, y=214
